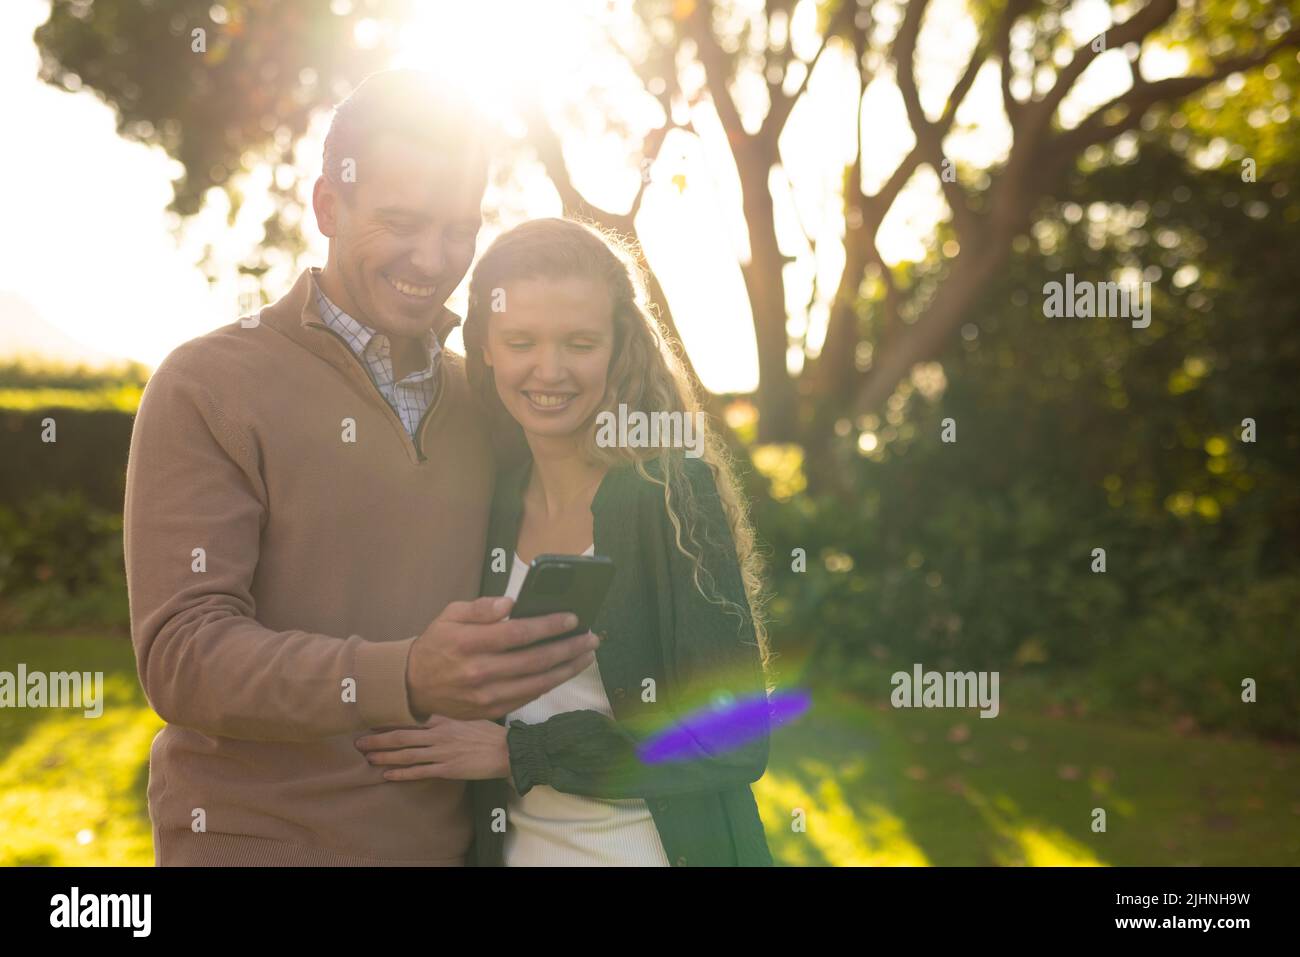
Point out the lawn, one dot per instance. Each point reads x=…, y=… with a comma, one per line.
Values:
x=949, y=788
x=848, y=783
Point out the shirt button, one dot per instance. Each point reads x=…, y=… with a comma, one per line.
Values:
x=618, y=693
x=663, y=805
x=681, y=862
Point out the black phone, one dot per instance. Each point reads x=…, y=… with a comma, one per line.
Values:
x=556, y=583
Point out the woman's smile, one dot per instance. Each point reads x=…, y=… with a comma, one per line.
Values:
x=548, y=401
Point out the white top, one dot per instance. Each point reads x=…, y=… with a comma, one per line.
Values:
x=549, y=828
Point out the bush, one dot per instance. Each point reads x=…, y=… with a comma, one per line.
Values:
x=1192, y=655
x=89, y=456
x=990, y=581
x=61, y=564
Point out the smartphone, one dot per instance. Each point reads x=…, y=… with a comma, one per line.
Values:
x=556, y=583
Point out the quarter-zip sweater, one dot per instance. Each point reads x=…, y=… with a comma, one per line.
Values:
x=286, y=538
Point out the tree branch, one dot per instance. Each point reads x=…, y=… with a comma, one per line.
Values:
x=929, y=135
x=699, y=25
x=964, y=220
x=972, y=269
x=782, y=103
x=1138, y=99
x=1039, y=113
x=962, y=87
x=1010, y=14
x=551, y=155
x=904, y=55
x=549, y=152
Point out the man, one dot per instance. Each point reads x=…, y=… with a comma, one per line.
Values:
x=306, y=511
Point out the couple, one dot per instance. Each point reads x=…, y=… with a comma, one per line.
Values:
x=327, y=515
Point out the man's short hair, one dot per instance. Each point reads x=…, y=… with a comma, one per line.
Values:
x=411, y=103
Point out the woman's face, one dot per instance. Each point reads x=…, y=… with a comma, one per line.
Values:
x=549, y=349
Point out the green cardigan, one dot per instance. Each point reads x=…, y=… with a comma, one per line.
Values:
x=656, y=625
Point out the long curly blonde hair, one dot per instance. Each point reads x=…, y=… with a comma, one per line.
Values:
x=646, y=374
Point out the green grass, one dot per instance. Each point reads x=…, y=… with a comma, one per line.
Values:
x=883, y=786
x=72, y=788
x=875, y=786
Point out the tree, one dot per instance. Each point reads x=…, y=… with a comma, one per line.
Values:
x=988, y=207
x=254, y=95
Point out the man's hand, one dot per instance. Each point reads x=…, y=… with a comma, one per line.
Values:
x=469, y=664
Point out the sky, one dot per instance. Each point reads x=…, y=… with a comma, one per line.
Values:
x=89, y=247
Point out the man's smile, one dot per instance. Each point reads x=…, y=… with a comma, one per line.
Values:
x=411, y=289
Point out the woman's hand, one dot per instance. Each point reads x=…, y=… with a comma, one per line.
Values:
x=442, y=748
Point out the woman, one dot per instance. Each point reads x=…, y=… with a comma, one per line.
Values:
x=555, y=335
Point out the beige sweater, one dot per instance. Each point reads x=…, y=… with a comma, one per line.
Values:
x=286, y=637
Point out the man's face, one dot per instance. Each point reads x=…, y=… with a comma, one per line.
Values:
x=403, y=238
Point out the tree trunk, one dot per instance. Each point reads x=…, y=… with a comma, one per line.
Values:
x=778, y=419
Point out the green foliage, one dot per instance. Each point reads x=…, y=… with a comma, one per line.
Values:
x=61, y=564
x=1075, y=434
x=263, y=68
x=241, y=93
x=88, y=457
x=26, y=375
x=121, y=399
x=27, y=387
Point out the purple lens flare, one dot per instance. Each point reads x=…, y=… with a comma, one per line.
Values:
x=719, y=729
